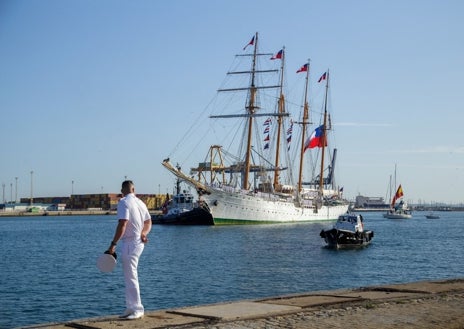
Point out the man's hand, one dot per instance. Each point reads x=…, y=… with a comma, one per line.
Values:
x=112, y=249
x=144, y=238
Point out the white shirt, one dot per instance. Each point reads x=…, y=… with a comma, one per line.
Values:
x=136, y=212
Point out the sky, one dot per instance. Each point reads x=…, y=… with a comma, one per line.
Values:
x=93, y=92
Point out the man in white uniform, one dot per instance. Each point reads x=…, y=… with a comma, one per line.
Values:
x=134, y=224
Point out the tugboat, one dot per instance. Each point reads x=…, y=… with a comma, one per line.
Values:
x=347, y=232
x=182, y=209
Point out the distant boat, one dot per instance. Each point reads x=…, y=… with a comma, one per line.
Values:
x=432, y=216
x=347, y=232
x=246, y=185
x=400, y=210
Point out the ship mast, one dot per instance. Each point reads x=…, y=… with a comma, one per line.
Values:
x=303, y=135
x=324, y=138
x=281, y=110
x=251, y=110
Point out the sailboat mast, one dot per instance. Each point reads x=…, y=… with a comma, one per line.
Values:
x=281, y=109
x=324, y=137
x=303, y=135
x=251, y=110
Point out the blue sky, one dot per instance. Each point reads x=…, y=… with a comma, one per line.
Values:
x=96, y=91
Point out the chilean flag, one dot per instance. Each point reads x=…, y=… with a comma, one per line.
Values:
x=316, y=139
x=278, y=55
x=323, y=77
x=304, y=68
x=251, y=43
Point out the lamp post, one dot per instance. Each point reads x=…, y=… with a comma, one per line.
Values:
x=16, y=189
x=72, y=187
x=32, y=186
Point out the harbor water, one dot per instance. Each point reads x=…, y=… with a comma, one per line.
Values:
x=48, y=271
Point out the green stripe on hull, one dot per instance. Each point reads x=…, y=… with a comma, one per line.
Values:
x=222, y=221
x=228, y=221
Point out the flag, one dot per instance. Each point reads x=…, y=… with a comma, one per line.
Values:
x=252, y=42
x=304, y=68
x=267, y=124
x=278, y=55
x=316, y=139
x=399, y=194
x=289, y=134
x=323, y=77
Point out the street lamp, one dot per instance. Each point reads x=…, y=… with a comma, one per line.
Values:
x=32, y=176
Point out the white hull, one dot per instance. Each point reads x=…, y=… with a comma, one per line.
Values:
x=239, y=207
x=397, y=216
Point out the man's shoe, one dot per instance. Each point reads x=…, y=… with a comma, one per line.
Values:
x=134, y=316
x=126, y=314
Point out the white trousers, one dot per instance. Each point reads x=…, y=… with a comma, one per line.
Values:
x=130, y=253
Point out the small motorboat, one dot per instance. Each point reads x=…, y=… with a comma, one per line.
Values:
x=347, y=232
x=432, y=216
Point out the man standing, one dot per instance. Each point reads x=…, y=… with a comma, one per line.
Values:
x=134, y=224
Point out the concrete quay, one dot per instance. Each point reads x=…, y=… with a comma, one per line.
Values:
x=424, y=304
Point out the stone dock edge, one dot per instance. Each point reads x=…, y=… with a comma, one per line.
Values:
x=223, y=315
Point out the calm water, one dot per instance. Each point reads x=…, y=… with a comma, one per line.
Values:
x=48, y=272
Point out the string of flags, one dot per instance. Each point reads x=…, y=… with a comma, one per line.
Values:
x=289, y=134
x=267, y=129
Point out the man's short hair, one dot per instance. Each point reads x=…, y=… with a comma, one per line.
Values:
x=127, y=184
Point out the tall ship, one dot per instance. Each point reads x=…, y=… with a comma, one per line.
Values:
x=264, y=176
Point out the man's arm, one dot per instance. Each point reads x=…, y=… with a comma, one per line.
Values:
x=146, y=229
x=120, y=229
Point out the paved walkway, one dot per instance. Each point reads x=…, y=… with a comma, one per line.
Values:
x=427, y=304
